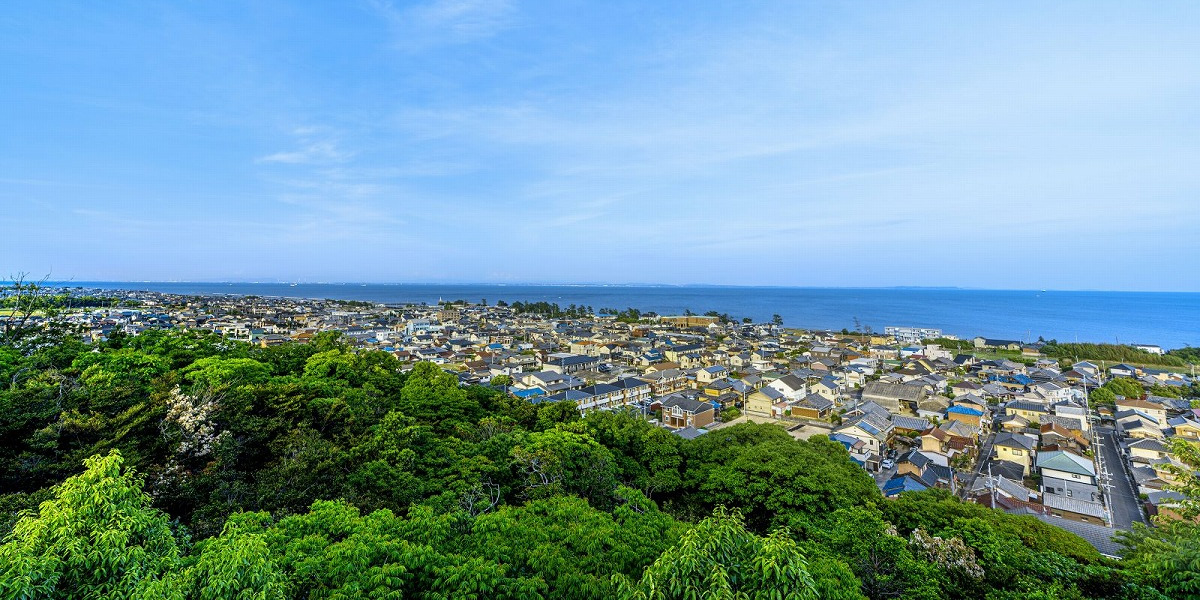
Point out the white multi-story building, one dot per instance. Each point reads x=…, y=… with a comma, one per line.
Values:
x=912, y=335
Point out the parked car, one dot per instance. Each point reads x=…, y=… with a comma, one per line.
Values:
x=887, y=463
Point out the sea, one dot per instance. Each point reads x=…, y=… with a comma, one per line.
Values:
x=1166, y=319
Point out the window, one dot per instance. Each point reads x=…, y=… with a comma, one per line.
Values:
x=1016, y=453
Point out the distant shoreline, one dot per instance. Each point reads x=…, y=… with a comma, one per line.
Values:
x=1167, y=319
x=102, y=283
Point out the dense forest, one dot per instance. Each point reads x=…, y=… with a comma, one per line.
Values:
x=183, y=465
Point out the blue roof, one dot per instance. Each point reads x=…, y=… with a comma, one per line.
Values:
x=844, y=439
x=869, y=428
x=529, y=393
x=902, y=483
x=965, y=410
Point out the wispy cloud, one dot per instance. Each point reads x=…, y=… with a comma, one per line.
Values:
x=317, y=152
x=445, y=21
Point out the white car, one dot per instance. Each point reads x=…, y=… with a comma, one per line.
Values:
x=887, y=463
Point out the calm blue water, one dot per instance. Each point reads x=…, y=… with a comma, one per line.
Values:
x=1170, y=320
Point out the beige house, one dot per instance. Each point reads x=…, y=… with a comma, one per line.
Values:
x=1157, y=411
x=1016, y=448
x=1148, y=449
x=762, y=402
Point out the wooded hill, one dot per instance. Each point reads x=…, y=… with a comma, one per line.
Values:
x=184, y=465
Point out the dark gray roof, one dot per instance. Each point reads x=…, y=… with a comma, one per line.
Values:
x=1008, y=469
x=816, y=401
x=913, y=423
x=791, y=381
x=1015, y=440
x=894, y=391
x=690, y=433
x=687, y=404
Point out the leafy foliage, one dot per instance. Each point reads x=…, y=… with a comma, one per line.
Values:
x=720, y=559
x=98, y=537
x=1110, y=353
x=316, y=471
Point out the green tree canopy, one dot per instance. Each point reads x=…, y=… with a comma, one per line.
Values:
x=721, y=560
x=98, y=538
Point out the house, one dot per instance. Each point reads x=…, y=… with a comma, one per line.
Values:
x=1016, y=448
x=690, y=433
x=962, y=438
x=903, y=425
x=1052, y=391
x=812, y=406
x=913, y=462
x=792, y=387
x=603, y=395
x=1060, y=464
x=967, y=415
x=873, y=431
x=1136, y=424
x=963, y=388
x=1122, y=370
x=1031, y=411
x=1188, y=429
x=998, y=486
x=935, y=440
x=981, y=342
x=899, y=484
x=1016, y=382
x=932, y=407
x=1158, y=411
x=1059, y=437
x=666, y=381
x=894, y=397
x=1014, y=423
x=634, y=390
x=711, y=374
x=827, y=388
x=1073, y=411
x=570, y=363
x=763, y=401
x=853, y=445
x=679, y=412
x=1147, y=449
x=1069, y=507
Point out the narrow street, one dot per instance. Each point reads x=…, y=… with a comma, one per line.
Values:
x=985, y=454
x=1116, y=482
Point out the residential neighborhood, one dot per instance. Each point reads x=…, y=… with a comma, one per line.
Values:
x=1017, y=433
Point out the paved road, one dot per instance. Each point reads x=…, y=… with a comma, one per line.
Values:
x=985, y=454
x=1120, y=493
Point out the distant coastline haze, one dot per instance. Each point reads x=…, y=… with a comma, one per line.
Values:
x=1166, y=319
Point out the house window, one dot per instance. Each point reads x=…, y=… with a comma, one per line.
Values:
x=1016, y=453
x=1068, y=493
x=1074, y=476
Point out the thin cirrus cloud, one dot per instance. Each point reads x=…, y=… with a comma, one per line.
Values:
x=771, y=143
x=442, y=22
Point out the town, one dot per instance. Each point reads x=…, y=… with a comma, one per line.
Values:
x=992, y=421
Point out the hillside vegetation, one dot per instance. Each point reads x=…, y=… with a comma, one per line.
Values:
x=184, y=465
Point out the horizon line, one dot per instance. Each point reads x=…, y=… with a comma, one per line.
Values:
x=70, y=283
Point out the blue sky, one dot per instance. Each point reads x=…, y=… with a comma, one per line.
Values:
x=997, y=145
